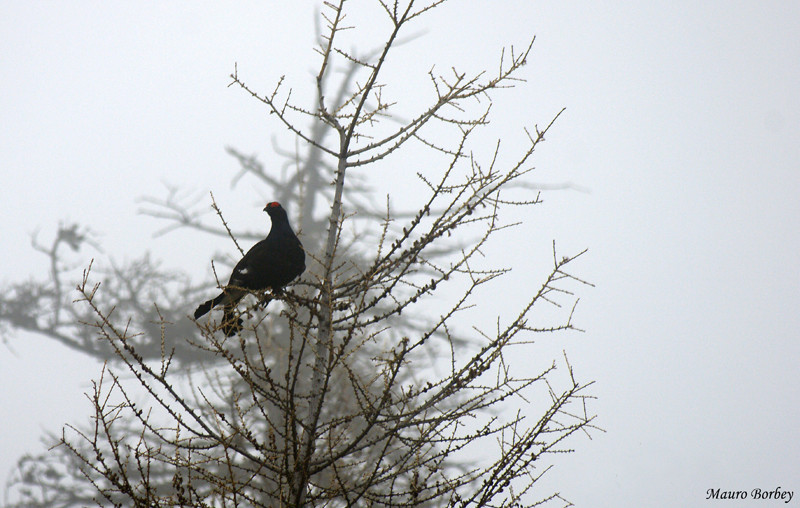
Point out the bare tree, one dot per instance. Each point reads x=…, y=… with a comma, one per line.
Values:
x=361, y=388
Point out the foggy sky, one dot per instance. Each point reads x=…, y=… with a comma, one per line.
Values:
x=682, y=135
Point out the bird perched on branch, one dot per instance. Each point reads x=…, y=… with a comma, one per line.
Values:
x=270, y=264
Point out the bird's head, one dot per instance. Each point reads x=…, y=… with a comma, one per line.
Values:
x=271, y=207
x=276, y=212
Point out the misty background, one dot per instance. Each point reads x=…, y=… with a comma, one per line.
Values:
x=675, y=163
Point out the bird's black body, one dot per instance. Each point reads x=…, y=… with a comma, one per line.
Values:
x=270, y=264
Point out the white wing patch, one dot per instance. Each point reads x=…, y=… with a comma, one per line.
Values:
x=238, y=276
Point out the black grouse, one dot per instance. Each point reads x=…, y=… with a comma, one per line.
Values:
x=270, y=264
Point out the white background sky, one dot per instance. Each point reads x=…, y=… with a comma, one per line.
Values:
x=682, y=121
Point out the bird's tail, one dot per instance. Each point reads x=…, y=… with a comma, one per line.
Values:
x=207, y=306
